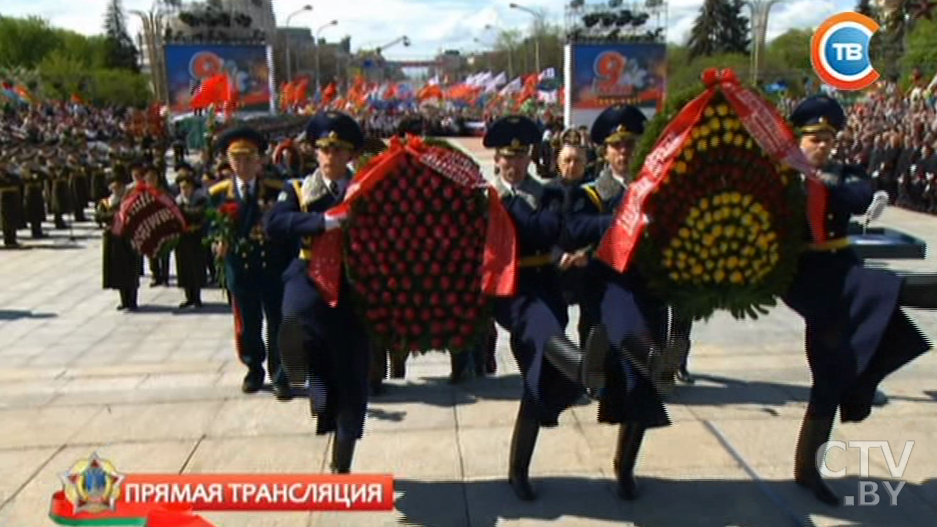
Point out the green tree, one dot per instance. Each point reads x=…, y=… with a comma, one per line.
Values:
x=120, y=52
x=704, y=37
x=922, y=47
x=865, y=7
x=26, y=41
x=734, y=27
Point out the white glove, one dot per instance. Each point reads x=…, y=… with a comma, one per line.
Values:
x=877, y=207
x=332, y=223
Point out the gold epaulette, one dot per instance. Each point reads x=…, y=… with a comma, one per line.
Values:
x=220, y=188
x=830, y=245
x=273, y=183
x=594, y=197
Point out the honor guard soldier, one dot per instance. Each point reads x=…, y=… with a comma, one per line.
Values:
x=323, y=345
x=631, y=319
x=159, y=265
x=120, y=261
x=556, y=372
x=79, y=186
x=11, y=204
x=857, y=333
x=253, y=274
x=616, y=130
x=34, y=202
x=191, y=257
x=60, y=193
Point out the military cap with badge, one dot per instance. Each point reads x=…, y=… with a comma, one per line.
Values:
x=818, y=113
x=335, y=129
x=241, y=140
x=618, y=123
x=512, y=135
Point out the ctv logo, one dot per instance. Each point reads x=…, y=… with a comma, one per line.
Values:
x=839, y=51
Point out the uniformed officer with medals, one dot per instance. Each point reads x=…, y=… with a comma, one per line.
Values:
x=253, y=276
x=857, y=333
x=324, y=346
x=556, y=372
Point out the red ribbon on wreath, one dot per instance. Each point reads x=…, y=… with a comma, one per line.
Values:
x=763, y=122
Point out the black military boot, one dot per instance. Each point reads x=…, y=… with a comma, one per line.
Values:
x=584, y=367
x=343, y=450
x=294, y=357
x=523, y=441
x=130, y=296
x=650, y=362
x=814, y=432
x=630, y=436
x=398, y=366
x=920, y=291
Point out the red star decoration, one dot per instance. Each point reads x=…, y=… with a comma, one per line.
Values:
x=922, y=9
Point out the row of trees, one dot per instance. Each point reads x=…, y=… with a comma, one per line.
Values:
x=56, y=64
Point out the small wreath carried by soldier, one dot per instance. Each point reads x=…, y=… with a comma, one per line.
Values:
x=721, y=218
x=415, y=241
x=151, y=220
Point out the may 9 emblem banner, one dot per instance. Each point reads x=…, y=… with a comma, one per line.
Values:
x=602, y=75
x=246, y=66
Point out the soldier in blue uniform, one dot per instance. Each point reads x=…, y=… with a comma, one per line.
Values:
x=633, y=320
x=556, y=372
x=857, y=333
x=253, y=276
x=326, y=346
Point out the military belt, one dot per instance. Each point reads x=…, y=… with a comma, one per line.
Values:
x=539, y=260
x=830, y=245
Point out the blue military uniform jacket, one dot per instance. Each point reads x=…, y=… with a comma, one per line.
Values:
x=264, y=259
x=537, y=211
x=299, y=211
x=591, y=209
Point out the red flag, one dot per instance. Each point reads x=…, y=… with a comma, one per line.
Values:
x=214, y=90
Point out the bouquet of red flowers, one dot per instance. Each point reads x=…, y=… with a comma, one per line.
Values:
x=223, y=232
x=719, y=209
x=425, y=243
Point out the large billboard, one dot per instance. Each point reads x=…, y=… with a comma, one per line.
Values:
x=246, y=66
x=601, y=75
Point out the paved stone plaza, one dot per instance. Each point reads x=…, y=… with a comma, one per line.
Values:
x=159, y=391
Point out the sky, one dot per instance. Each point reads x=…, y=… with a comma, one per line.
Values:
x=431, y=25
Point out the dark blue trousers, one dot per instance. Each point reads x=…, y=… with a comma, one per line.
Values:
x=627, y=309
x=251, y=302
x=338, y=351
x=533, y=318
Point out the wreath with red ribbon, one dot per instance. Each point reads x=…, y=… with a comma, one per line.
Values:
x=717, y=218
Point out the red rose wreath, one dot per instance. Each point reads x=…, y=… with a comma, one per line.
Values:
x=425, y=246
